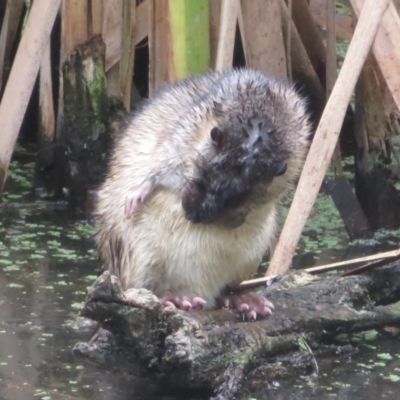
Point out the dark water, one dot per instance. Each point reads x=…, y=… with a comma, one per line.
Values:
x=47, y=263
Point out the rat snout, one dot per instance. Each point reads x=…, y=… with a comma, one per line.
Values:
x=258, y=134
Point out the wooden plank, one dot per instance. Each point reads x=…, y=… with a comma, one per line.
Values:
x=46, y=110
x=8, y=33
x=215, y=19
x=23, y=76
x=349, y=208
x=127, y=51
x=142, y=21
x=301, y=64
x=310, y=36
x=74, y=25
x=302, y=69
x=331, y=68
x=344, y=25
x=227, y=32
x=263, y=36
x=112, y=36
x=326, y=136
x=386, y=47
x=160, y=46
x=96, y=17
x=112, y=31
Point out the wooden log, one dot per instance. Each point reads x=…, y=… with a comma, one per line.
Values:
x=8, y=33
x=262, y=37
x=227, y=33
x=22, y=77
x=326, y=136
x=208, y=349
x=385, y=47
x=85, y=132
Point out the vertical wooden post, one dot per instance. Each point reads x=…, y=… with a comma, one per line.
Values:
x=227, y=32
x=331, y=67
x=74, y=30
x=160, y=46
x=310, y=36
x=22, y=77
x=112, y=34
x=263, y=36
x=127, y=51
x=302, y=68
x=46, y=111
x=215, y=19
x=96, y=17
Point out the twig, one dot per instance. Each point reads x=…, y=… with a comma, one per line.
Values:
x=373, y=261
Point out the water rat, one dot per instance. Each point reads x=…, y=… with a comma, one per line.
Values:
x=188, y=207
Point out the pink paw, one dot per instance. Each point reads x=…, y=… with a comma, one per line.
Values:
x=249, y=305
x=183, y=302
x=138, y=196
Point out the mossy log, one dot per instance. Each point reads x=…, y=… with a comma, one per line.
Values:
x=215, y=350
x=86, y=113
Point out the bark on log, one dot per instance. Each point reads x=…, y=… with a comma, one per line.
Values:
x=214, y=350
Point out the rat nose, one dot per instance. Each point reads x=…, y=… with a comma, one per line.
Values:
x=258, y=133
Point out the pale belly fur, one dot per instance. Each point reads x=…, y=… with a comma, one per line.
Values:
x=167, y=254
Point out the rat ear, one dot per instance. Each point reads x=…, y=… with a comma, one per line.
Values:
x=217, y=137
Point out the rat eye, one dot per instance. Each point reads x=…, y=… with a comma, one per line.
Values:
x=217, y=136
x=281, y=168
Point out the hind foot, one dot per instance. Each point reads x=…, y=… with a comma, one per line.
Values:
x=249, y=305
x=183, y=302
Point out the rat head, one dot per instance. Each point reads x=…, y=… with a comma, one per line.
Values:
x=242, y=155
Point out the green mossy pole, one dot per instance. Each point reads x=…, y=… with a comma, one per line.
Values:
x=190, y=36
